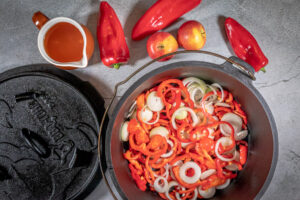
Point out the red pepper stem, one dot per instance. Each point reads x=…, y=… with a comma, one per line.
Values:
x=117, y=65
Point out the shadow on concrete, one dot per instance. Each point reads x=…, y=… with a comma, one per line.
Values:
x=138, y=49
x=221, y=21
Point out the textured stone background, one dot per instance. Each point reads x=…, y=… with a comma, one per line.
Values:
x=275, y=24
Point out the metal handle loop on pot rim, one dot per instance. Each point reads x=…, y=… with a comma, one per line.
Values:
x=235, y=64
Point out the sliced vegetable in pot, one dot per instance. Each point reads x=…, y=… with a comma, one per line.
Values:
x=186, y=140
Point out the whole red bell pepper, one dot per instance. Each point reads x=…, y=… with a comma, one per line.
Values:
x=111, y=39
x=160, y=15
x=244, y=45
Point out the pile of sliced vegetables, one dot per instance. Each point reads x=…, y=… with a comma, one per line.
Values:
x=185, y=139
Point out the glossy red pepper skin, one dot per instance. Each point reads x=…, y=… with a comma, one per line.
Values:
x=244, y=45
x=160, y=15
x=111, y=39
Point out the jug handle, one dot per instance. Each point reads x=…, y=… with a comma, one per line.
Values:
x=39, y=19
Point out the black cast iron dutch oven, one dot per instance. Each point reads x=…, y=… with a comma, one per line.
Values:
x=253, y=180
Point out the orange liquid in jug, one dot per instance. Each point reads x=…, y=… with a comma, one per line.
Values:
x=64, y=43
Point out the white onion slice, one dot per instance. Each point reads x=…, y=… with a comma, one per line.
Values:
x=170, y=185
x=191, y=111
x=178, y=163
x=196, y=93
x=235, y=120
x=209, y=108
x=207, y=173
x=225, y=132
x=222, y=104
x=241, y=135
x=193, y=92
x=210, y=132
x=154, y=102
x=168, y=154
x=223, y=140
x=160, y=130
x=232, y=167
x=221, y=89
x=237, y=156
x=124, y=131
x=131, y=109
x=181, y=115
x=185, y=167
x=185, y=144
x=225, y=185
x=166, y=174
x=209, y=193
x=188, y=81
x=195, y=194
x=161, y=188
x=146, y=114
x=177, y=195
x=212, y=89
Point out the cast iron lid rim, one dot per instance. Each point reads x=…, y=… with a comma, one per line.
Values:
x=112, y=179
x=9, y=75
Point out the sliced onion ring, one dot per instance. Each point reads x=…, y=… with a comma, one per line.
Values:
x=124, y=131
x=212, y=89
x=225, y=185
x=147, y=122
x=207, y=173
x=209, y=108
x=241, y=135
x=158, y=187
x=222, y=140
x=188, y=81
x=170, y=185
x=185, y=144
x=222, y=104
x=235, y=120
x=166, y=174
x=221, y=89
x=207, y=193
x=160, y=130
x=131, y=109
x=145, y=114
x=185, y=167
x=154, y=102
x=177, y=195
x=191, y=111
x=232, y=167
x=195, y=194
x=168, y=154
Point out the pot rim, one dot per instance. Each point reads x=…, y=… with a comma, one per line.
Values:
x=112, y=179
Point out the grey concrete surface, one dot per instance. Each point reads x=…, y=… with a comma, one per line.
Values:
x=274, y=23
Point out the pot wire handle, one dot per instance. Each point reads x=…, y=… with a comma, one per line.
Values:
x=235, y=64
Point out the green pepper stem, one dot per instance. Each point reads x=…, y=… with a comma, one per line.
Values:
x=117, y=65
x=263, y=70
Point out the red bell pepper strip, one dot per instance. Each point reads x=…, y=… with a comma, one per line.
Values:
x=244, y=45
x=243, y=154
x=160, y=15
x=112, y=44
x=140, y=180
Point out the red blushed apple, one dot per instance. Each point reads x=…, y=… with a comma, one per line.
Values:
x=191, y=35
x=161, y=43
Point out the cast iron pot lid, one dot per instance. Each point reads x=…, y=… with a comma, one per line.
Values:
x=48, y=134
